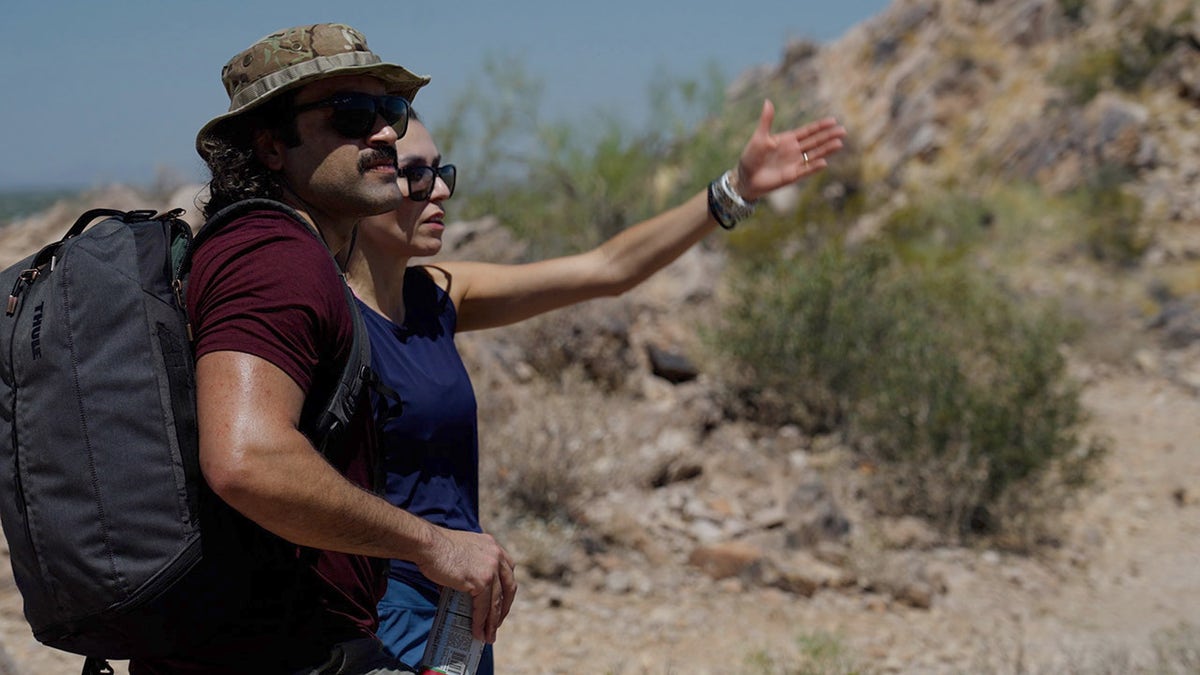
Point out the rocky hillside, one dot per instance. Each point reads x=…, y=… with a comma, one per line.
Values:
x=654, y=534
x=1047, y=91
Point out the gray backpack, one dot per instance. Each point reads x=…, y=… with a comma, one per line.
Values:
x=99, y=476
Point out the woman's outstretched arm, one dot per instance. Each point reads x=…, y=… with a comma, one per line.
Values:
x=490, y=295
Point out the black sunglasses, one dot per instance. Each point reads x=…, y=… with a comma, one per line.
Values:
x=354, y=113
x=421, y=179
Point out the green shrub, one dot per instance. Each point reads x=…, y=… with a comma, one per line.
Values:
x=567, y=185
x=825, y=202
x=792, y=336
x=819, y=654
x=1084, y=74
x=953, y=386
x=964, y=399
x=825, y=654
x=942, y=231
x=1124, y=66
x=1073, y=9
x=536, y=467
x=1111, y=227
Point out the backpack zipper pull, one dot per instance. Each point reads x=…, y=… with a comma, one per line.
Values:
x=23, y=279
x=177, y=286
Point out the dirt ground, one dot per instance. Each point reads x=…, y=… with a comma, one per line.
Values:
x=1127, y=572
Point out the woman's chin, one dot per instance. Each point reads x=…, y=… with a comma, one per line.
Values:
x=427, y=246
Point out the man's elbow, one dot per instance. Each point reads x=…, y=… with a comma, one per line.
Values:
x=231, y=476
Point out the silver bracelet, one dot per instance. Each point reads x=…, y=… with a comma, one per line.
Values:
x=726, y=205
x=727, y=186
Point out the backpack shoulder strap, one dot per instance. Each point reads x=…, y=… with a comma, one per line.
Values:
x=325, y=426
x=334, y=417
x=220, y=219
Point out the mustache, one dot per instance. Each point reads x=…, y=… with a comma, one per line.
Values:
x=376, y=156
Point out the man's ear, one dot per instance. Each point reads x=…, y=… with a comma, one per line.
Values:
x=269, y=150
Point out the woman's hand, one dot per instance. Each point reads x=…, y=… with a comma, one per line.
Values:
x=771, y=161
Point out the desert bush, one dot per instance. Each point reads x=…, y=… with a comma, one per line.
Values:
x=536, y=466
x=1083, y=75
x=534, y=478
x=946, y=381
x=1125, y=65
x=565, y=185
x=547, y=449
x=967, y=400
x=826, y=201
x=819, y=653
x=1111, y=226
x=1073, y=9
x=787, y=330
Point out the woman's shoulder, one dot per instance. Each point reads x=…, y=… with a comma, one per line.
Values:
x=428, y=274
x=426, y=287
x=427, y=306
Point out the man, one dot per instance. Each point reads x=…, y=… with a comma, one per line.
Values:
x=296, y=543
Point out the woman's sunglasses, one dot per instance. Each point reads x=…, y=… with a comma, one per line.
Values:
x=354, y=113
x=421, y=180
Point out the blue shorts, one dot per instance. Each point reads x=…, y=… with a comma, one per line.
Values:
x=405, y=619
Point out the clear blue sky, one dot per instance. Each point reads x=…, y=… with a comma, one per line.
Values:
x=103, y=91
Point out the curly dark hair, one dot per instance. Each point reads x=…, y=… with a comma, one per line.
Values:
x=237, y=173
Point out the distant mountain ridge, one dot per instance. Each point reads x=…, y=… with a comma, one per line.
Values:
x=18, y=203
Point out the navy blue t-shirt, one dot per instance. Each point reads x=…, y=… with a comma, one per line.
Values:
x=431, y=449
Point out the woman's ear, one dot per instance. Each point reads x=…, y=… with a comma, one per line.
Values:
x=269, y=150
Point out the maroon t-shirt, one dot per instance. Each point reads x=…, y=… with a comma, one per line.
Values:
x=265, y=286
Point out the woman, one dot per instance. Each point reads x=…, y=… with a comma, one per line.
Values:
x=413, y=313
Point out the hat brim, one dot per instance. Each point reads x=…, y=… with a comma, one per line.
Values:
x=397, y=80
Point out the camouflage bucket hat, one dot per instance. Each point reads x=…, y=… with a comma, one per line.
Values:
x=291, y=58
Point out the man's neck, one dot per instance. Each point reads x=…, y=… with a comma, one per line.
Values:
x=335, y=232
